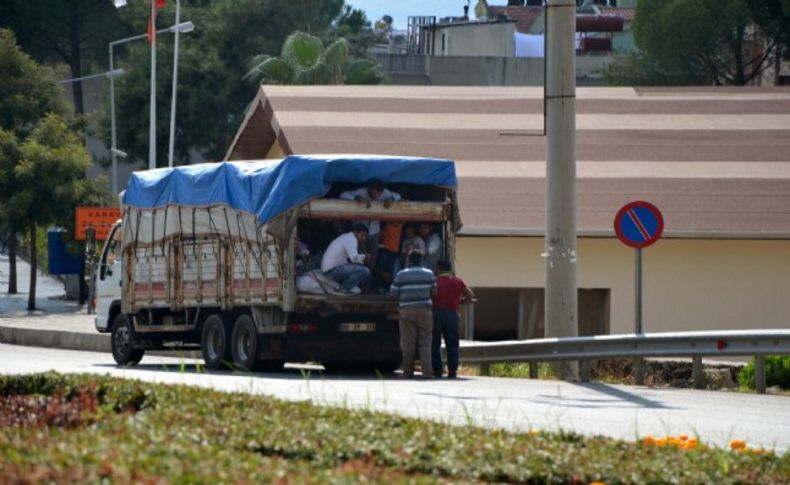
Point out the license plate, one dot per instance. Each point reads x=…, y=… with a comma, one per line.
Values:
x=357, y=327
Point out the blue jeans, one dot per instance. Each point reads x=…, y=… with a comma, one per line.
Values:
x=445, y=323
x=348, y=275
x=385, y=261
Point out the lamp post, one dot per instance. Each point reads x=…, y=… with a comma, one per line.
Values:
x=115, y=153
x=173, y=96
x=111, y=75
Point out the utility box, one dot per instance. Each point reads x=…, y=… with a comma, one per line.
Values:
x=61, y=262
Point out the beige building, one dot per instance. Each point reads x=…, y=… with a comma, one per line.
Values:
x=492, y=39
x=716, y=161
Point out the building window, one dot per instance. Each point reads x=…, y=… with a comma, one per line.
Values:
x=444, y=42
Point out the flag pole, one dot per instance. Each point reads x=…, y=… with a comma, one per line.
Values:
x=175, y=84
x=152, y=121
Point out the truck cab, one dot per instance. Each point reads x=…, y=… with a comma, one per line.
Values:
x=108, y=285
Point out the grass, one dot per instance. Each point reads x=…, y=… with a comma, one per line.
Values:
x=129, y=431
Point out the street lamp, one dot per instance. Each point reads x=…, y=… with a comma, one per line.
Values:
x=111, y=74
x=178, y=27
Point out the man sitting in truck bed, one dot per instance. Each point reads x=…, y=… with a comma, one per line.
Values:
x=376, y=191
x=344, y=263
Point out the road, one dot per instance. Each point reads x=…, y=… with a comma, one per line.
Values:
x=625, y=412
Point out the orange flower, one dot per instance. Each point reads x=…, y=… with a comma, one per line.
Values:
x=737, y=444
x=690, y=444
x=597, y=483
x=648, y=440
x=661, y=442
x=683, y=437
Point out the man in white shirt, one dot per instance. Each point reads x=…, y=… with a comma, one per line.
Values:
x=343, y=262
x=433, y=246
x=376, y=191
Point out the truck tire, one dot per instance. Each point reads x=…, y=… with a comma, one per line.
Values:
x=244, y=344
x=215, y=341
x=122, y=342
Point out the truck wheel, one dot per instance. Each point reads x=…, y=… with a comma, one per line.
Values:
x=122, y=342
x=244, y=343
x=215, y=341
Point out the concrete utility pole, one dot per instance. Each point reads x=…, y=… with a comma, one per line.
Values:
x=561, y=294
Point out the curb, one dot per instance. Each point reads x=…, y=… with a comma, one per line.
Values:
x=55, y=339
x=86, y=342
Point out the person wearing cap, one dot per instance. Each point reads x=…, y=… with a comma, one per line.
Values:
x=451, y=291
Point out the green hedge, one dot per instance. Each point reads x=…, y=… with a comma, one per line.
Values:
x=777, y=373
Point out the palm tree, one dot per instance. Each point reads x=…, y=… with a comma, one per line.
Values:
x=305, y=60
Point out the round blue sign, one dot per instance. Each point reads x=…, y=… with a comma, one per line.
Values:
x=639, y=224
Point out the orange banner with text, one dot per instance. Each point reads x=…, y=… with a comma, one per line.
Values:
x=100, y=219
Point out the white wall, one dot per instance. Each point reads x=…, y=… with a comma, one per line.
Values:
x=687, y=284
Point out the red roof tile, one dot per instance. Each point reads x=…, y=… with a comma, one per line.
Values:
x=523, y=16
x=626, y=13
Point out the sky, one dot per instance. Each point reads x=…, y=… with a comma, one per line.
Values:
x=400, y=10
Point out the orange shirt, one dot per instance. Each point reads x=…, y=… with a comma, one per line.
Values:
x=390, y=236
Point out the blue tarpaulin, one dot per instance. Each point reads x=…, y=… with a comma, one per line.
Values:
x=269, y=188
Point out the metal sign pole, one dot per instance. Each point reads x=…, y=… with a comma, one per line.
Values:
x=638, y=286
x=639, y=362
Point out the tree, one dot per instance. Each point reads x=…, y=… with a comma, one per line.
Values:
x=51, y=181
x=637, y=69
x=75, y=32
x=773, y=17
x=10, y=219
x=212, y=94
x=29, y=92
x=354, y=26
x=42, y=160
x=705, y=41
x=304, y=60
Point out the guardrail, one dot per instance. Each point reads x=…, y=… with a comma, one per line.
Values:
x=757, y=343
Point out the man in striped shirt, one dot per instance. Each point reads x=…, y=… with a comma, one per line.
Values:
x=414, y=287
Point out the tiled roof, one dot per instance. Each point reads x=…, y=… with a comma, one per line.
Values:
x=715, y=160
x=523, y=16
x=627, y=13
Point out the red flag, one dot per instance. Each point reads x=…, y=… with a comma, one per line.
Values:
x=151, y=33
x=158, y=5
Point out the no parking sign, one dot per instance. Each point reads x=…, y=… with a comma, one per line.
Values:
x=639, y=224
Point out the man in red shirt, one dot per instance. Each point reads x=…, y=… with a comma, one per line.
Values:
x=451, y=291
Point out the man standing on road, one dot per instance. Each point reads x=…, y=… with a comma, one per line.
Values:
x=414, y=287
x=343, y=262
x=451, y=291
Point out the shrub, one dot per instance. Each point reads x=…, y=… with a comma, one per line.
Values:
x=777, y=372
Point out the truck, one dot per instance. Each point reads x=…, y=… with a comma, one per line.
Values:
x=222, y=257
